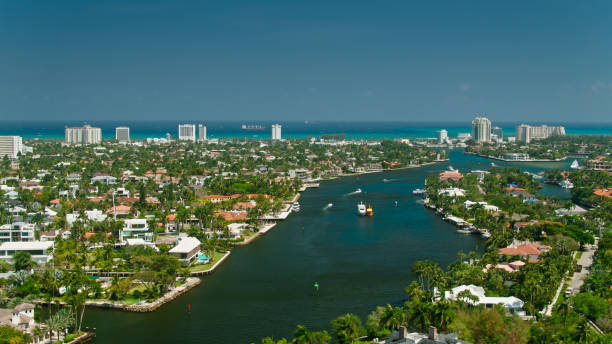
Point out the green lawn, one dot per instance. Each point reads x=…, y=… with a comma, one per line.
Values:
x=578, y=255
x=202, y=267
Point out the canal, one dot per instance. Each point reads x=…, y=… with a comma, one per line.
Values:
x=266, y=288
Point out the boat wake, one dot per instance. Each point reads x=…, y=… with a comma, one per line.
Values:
x=356, y=192
x=328, y=206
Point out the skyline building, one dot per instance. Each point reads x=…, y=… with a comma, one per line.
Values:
x=11, y=146
x=276, y=132
x=187, y=132
x=481, y=129
x=201, y=132
x=85, y=135
x=122, y=134
x=497, y=131
x=442, y=136
x=526, y=133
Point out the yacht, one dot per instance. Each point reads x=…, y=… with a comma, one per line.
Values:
x=566, y=184
x=295, y=206
x=361, y=209
x=418, y=191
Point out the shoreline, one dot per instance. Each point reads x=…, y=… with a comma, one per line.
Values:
x=521, y=160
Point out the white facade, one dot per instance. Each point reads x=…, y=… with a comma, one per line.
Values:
x=10, y=146
x=85, y=135
x=186, y=249
x=442, y=136
x=276, y=132
x=201, y=132
x=526, y=133
x=122, y=134
x=135, y=228
x=39, y=250
x=481, y=129
x=511, y=303
x=187, y=132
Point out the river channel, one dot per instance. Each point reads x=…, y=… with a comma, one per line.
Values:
x=266, y=288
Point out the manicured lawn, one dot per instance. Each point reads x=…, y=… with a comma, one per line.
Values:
x=578, y=255
x=203, y=267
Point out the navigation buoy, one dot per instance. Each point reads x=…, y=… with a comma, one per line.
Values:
x=316, y=286
x=396, y=204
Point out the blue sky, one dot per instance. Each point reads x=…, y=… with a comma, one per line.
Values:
x=537, y=61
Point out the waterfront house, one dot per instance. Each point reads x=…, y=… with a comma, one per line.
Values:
x=511, y=303
x=529, y=251
x=452, y=192
x=186, y=249
x=39, y=250
x=234, y=215
x=135, y=228
x=20, y=317
x=451, y=175
x=401, y=336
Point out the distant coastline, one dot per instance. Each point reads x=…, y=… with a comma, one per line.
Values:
x=139, y=130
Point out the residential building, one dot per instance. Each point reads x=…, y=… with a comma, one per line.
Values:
x=186, y=249
x=511, y=303
x=107, y=180
x=122, y=134
x=529, y=251
x=276, y=132
x=17, y=231
x=516, y=156
x=187, y=132
x=85, y=135
x=481, y=129
x=11, y=146
x=464, y=136
x=498, y=132
x=201, y=132
x=526, y=133
x=41, y=251
x=599, y=164
x=135, y=228
x=442, y=136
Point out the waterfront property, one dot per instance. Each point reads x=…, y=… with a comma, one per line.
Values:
x=186, y=249
x=40, y=251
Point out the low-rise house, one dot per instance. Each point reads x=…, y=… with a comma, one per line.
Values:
x=120, y=210
x=104, y=179
x=529, y=251
x=401, y=336
x=20, y=317
x=39, y=250
x=186, y=249
x=452, y=192
x=603, y=193
x=511, y=303
x=51, y=235
x=451, y=175
x=469, y=204
x=135, y=228
x=232, y=215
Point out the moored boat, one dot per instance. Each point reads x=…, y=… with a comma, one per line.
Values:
x=369, y=211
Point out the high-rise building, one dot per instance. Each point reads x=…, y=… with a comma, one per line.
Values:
x=85, y=135
x=442, y=136
x=10, y=146
x=497, y=131
x=526, y=133
x=122, y=134
x=201, y=132
x=276, y=132
x=187, y=132
x=481, y=129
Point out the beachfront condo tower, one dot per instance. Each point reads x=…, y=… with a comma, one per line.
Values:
x=201, y=132
x=276, y=132
x=10, y=147
x=187, y=132
x=122, y=134
x=85, y=135
x=526, y=133
x=481, y=129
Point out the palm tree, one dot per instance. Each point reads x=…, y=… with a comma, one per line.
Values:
x=461, y=256
x=391, y=318
x=347, y=328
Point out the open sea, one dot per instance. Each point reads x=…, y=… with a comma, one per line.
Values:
x=217, y=129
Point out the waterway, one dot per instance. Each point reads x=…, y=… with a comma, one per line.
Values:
x=266, y=288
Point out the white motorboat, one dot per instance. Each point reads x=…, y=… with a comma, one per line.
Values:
x=361, y=209
x=295, y=206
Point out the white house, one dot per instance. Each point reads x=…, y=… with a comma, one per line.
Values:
x=108, y=180
x=17, y=231
x=511, y=303
x=452, y=192
x=40, y=250
x=468, y=204
x=135, y=228
x=22, y=316
x=186, y=249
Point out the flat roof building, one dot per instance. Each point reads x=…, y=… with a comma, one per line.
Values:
x=85, y=135
x=187, y=132
x=122, y=134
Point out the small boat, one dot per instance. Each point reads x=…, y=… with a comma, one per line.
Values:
x=386, y=180
x=361, y=209
x=329, y=205
x=493, y=164
x=451, y=169
x=464, y=231
x=566, y=184
x=485, y=234
x=369, y=211
x=295, y=207
x=357, y=191
x=418, y=191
